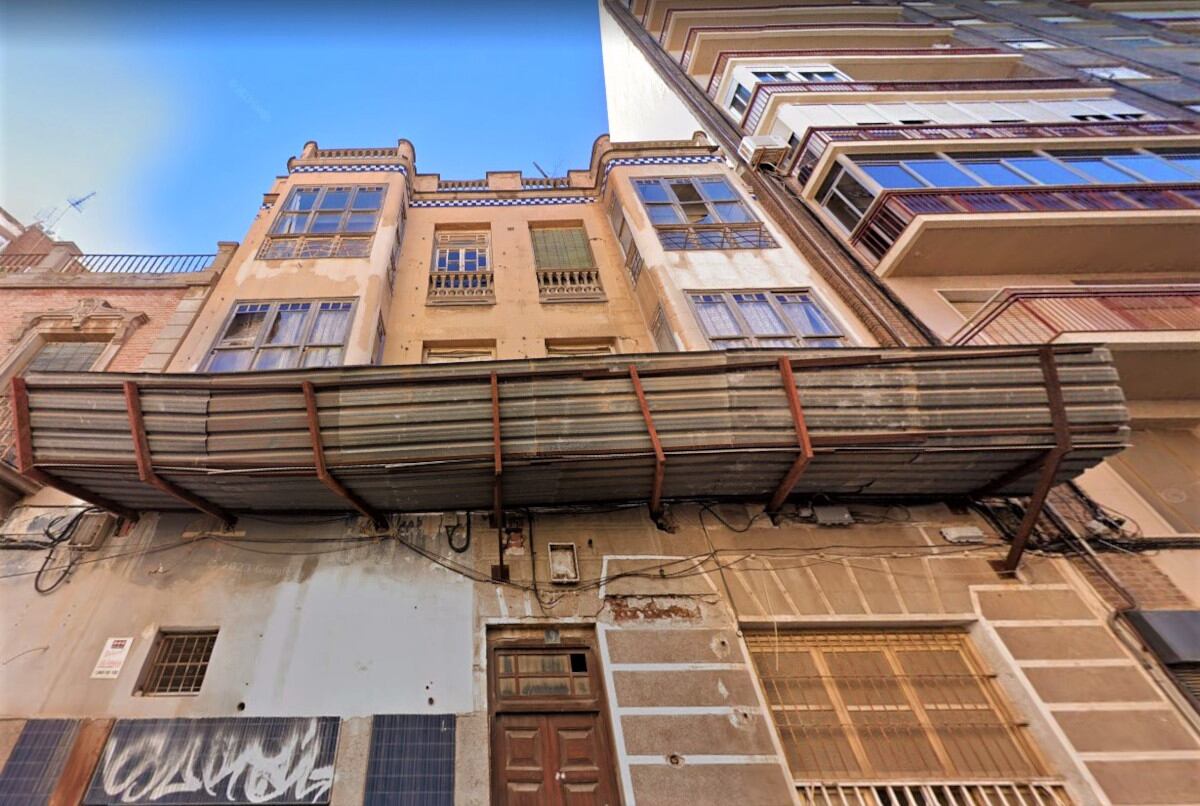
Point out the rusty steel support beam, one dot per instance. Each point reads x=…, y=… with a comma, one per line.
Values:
x=23, y=433
x=1050, y=462
x=803, y=441
x=145, y=465
x=660, y=457
x=500, y=570
x=327, y=478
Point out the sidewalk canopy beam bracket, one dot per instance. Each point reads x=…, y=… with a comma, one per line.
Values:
x=803, y=441
x=660, y=457
x=500, y=570
x=327, y=478
x=1050, y=461
x=145, y=464
x=23, y=432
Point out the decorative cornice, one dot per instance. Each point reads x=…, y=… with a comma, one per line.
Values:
x=89, y=311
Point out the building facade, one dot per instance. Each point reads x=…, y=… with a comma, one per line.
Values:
x=697, y=475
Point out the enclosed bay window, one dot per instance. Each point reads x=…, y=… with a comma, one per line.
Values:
x=734, y=319
x=282, y=335
x=740, y=99
x=318, y=222
x=852, y=185
x=702, y=212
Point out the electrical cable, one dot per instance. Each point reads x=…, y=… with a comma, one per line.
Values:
x=450, y=530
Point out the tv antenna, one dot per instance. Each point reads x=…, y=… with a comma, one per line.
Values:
x=48, y=219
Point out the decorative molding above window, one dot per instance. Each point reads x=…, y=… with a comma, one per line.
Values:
x=88, y=316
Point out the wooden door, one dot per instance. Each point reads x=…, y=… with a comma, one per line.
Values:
x=553, y=760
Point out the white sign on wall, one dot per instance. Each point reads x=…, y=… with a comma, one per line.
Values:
x=112, y=658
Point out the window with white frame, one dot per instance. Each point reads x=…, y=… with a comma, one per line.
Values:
x=282, y=335
x=803, y=116
x=318, y=221
x=732, y=319
x=739, y=100
x=700, y=212
x=462, y=268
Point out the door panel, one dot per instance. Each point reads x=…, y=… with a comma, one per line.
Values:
x=553, y=760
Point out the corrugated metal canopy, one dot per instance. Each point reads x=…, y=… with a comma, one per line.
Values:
x=930, y=422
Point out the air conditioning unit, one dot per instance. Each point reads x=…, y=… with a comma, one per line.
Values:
x=763, y=149
x=93, y=530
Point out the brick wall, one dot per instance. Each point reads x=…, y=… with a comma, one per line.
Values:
x=1153, y=589
x=158, y=303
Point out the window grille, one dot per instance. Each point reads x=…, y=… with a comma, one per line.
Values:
x=904, y=706
x=570, y=348
x=434, y=353
x=1049, y=793
x=282, y=335
x=733, y=319
x=178, y=662
x=66, y=356
x=320, y=222
x=701, y=212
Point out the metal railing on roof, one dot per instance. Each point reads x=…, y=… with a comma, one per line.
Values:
x=144, y=264
x=19, y=262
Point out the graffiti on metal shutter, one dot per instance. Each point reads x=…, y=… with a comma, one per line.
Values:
x=216, y=761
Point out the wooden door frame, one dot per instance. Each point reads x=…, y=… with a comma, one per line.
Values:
x=549, y=706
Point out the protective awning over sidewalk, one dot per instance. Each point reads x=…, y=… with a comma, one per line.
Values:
x=757, y=424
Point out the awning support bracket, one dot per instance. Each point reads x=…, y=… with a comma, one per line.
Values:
x=803, y=441
x=145, y=464
x=660, y=456
x=500, y=570
x=1050, y=461
x=327, y=478
x=23, y=433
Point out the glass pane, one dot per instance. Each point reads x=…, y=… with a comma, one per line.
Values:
x=854, y=193
x=729, y=344
x=544, y=686
x=1189, y=162
x=285, y=328
x=583, y=685
x=1156, y=169
x=291, y=224
x=331, y=324
x=316, y=247
x=994, y=173
x=686, y=192
x=229, y=361
x=843, y=212
x=697, y=213
x=276, y=358
x=66, y=356
x=715, y=315
x=280, y=248
x=892, y=176
x=733, y=212
x=651, y=191
x=336, y=199
x=368, y=198
x=1100, y=170
x=941, y=173
x=506, y=687
x=717, y=189
x=326, y=222
x=1046, y=171
x=806, y=316
x=360, y=222
x=323, y=357
x=354, y=247
x=507, y=665
x=301, y=199
x=544, y=664
x=245, y=326
x=759, y=315
x=663, y=214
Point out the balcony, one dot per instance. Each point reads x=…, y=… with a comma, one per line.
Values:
x=752, y=235
x=763, y=93
x=68, y=263
x=1032, y=230
x=818, y=140
x=1152, y=330
x=569, y=285
x=460, y=287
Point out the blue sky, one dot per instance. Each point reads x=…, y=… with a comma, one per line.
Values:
x=179, y=115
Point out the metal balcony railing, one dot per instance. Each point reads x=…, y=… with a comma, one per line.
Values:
x=143, y=264
x=569, y=285
x=763, y=93
x=461, y=286
x=817, y=140
x=752, y=235
x=893, y=210
x=1018, y=793
x=20, y=262
x=1041, y=315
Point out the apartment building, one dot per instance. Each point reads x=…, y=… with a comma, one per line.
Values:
x=640, y=485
